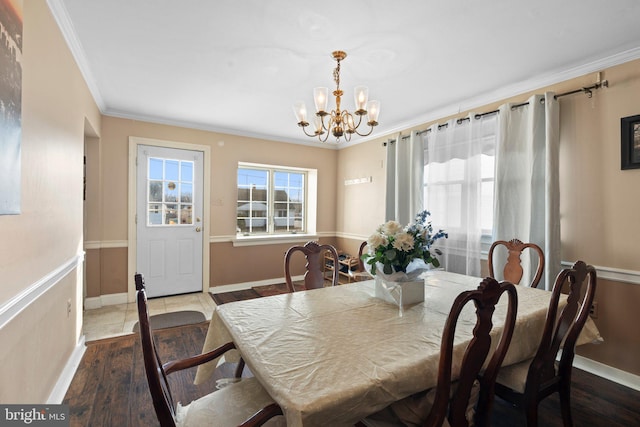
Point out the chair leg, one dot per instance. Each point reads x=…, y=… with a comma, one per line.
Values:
x=239, y=368
x=531, y=411
x=565, y=404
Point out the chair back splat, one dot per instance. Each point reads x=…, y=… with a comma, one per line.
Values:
x=513, y=270
x=360, y=253
x=314, y=274
x=454, y=408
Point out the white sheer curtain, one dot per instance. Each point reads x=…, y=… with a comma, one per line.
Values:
x=404, y=178
x=458, y=179
x=526, y=203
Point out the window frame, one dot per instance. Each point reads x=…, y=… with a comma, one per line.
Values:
x=309, y=203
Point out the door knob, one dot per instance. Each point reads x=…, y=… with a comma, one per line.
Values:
x=198, y=229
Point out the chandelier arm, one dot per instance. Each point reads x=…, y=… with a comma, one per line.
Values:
x=327, y=127
x=304, y=129
x=326, y=136
x=365, y=134
x=356, y=126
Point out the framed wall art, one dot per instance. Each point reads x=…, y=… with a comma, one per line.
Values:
x=630, y=142
x=10, y=105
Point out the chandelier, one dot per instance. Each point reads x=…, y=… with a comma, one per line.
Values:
x=340, y=123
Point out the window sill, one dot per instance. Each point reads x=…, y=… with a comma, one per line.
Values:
x=273, y=239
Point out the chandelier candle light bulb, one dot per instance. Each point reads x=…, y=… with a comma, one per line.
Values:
x=361, y=95
x=300, y=111
x=320, y=98
x=339, y=123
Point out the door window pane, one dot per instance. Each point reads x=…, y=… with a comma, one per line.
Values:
x=186, y=172
x=186, y=193
x=155, y=214
x=171, y=214
x=186, y=214
x=171, y=192
x=155, y=191
x=171, y=170
x=156, y=167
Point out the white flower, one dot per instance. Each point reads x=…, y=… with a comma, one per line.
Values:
x=403, y=242
x=376, y=240
x=391, y=228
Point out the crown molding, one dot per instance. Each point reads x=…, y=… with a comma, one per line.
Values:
x=61, y=16
x=535, y=83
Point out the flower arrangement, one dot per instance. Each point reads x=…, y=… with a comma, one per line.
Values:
x=394, y=247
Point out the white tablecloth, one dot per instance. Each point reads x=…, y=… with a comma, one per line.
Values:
x=332, y=356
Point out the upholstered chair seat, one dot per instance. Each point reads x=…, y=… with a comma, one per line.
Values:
x=229, y=406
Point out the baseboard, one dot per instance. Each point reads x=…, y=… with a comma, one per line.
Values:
x=607, y=372
x=249, y=285
x=102, y=300
x=66, y=376
x=121, y=298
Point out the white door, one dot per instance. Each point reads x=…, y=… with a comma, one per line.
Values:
x=169, y=219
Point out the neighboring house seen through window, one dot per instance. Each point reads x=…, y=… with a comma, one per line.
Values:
x=271, y=200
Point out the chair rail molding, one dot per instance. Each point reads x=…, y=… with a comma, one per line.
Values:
x=613, y=274
x=105, y=244
x=10, y=309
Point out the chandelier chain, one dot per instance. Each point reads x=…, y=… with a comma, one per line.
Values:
x=336, y=75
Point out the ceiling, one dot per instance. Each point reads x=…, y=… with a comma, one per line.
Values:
x=238, y=66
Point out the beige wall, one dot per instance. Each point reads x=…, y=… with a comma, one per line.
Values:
x=598, y=201
x=228, y=264
x=47, y=235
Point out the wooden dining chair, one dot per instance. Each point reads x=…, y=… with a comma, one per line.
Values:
x=244, y=403
x=456, y=401
x=527, y=383
x=361, y=273
x=314, y=274
x=513, y=271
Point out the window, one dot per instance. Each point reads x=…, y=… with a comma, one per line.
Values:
x=169, y=192
x=448, y=188
x=272, y=200
x=459, y=182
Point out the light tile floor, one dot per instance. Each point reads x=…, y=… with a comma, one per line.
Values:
x=115, y=320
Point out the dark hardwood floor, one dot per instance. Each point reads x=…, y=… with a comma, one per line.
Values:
x=110, y=387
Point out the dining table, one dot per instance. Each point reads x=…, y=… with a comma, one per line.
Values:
x=331, y=356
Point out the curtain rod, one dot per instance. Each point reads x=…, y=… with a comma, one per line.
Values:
x=586, y=90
